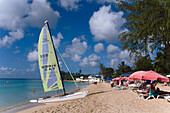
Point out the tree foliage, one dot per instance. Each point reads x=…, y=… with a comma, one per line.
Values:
x=144, y=64
x=106, y=72
x=162, y=62
x=148, y=24
x=80, y=71
x=123, y=69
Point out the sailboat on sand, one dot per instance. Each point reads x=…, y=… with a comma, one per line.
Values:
x=50, y=70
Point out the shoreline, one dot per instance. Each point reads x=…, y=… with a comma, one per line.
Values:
x=49, y=104
x=104, y=99
x=28, y=105
x=76, y=81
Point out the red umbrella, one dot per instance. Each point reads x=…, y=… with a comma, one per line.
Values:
x=118, y=78
x=128, y=79
x=151, y=75
x=115, y=79
x=137, y=75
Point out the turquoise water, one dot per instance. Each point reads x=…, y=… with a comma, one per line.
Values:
x=18, y=92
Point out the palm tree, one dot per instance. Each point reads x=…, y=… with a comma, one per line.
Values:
x=80, y=71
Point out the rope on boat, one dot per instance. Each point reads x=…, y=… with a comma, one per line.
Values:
x=67, y=67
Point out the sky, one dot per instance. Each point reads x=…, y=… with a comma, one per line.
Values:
x=85, y=31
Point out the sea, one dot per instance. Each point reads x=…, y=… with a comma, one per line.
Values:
x=19, y=92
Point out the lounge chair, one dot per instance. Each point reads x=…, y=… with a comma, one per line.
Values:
x=142, y=94
x=152, y=94
x=168, y=100
x=123, y=87
x=166, y=97
x=117, y=87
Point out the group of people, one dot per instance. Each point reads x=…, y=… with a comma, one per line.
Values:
x=117, y=83
x=151, y=89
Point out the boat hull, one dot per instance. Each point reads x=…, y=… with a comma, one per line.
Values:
x=74, y=96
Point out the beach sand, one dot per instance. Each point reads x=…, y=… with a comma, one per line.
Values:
x=104, y=99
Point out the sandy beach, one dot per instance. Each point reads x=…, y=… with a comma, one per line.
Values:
x=104, y=99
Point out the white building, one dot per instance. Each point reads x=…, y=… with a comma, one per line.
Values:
x=90, y=79
x=79, y=79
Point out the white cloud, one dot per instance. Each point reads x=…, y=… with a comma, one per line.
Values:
x=57, y=40
x=11, y=13
x=105, y=24
x=90, y=61
x=32, y=56
x=3, y=68
x=118, y=56
x=124, y=54
x=33, y=67
x=18, y=13
x=105, y=1
x=17, y=51
x=7, y=70
x=15, y=15
x=76, y=49
x=98, y=47
x=16, y=47
x=114, y=62
x=39, y=11
x=111, y=48
x=70, y=4
x=76, y=57
x=113, y=56
x=13, y=36
x=84, y=62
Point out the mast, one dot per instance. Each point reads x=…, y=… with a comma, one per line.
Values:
x=56, y=58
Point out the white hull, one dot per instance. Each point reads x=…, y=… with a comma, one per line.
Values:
x=76, y=95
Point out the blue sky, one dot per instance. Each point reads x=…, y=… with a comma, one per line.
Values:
x=85, y=31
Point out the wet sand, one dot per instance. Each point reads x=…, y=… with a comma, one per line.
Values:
x=104, y=99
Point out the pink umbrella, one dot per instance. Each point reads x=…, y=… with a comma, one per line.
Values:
x=128, y=79
x=151, y=75
x=137, y=76
x=118, y=78
x=115, y=79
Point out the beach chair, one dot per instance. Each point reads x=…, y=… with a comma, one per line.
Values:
x=152, y=94
x=166, y=97
x=142, y=94
x=123, y=87
x=117, y=87
x=168, y=100
x=134, y=89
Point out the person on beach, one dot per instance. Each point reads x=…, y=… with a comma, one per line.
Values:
x=33, y=91
x=111, y=84
x=152, y=88
x=127, y=84
x=143, y=86
x=117, y=82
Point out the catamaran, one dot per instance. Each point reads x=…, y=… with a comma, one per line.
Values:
x=50, y=69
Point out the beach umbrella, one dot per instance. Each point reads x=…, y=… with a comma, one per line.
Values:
x=115, y=79
x=128, y=79
x=151, y=75
x=118, y=78
x=137, y=76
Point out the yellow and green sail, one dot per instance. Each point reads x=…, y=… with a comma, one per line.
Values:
x=48, y=63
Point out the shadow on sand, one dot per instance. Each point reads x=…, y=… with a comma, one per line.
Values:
x=98, y=92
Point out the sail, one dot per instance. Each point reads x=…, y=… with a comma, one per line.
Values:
x=48, y=63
